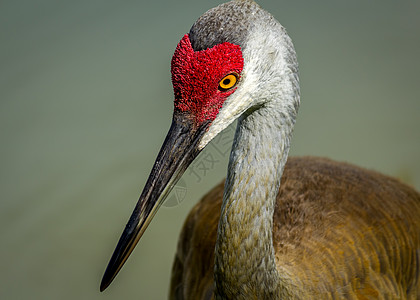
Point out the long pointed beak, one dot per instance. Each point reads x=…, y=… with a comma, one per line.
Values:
x=179, y=149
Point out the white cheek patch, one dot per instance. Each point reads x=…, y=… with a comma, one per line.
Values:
x=242, y=99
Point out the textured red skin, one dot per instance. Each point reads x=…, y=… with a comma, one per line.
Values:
x=196, y=77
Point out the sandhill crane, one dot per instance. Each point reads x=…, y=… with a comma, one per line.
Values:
x=328, y=231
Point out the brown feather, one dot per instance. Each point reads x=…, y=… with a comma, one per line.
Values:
x=338, y=230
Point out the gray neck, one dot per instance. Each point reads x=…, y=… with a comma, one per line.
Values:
x=267, y=100
x=244, y=258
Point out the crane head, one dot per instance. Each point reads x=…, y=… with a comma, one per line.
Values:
x=227, y=66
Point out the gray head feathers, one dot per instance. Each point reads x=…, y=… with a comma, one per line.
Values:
x=228, y=22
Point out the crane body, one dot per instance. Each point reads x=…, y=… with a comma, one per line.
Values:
x=329, y=242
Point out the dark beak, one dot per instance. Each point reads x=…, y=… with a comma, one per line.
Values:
x=178, y=151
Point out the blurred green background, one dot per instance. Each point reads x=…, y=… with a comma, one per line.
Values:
x=86, y=101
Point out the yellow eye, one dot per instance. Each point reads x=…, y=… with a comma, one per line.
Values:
x=228, y=82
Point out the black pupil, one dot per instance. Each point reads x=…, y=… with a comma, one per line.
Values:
x=226, y=81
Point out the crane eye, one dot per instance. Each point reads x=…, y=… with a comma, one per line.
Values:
x=228, y=82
